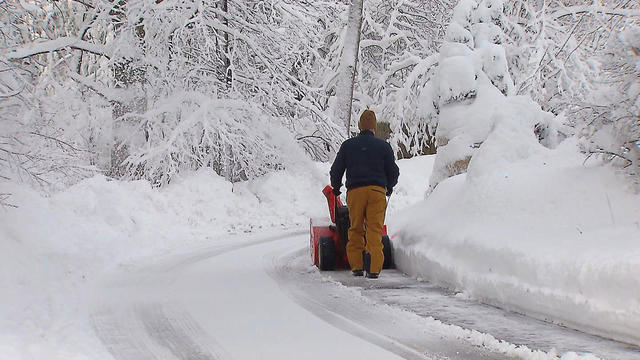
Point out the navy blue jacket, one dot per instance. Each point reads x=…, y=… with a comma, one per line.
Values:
x=367, y=160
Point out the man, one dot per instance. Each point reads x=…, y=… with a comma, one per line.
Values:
x=371, y=174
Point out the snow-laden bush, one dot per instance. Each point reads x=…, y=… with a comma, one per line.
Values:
x=190, y=131
x=615, y=136
x=46, y=148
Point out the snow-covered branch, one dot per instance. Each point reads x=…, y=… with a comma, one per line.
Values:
x=109, y=93
x=399, y=41
x=46, y=46
x=593, y=9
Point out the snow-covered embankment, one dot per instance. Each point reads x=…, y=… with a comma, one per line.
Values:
x=517, y=217
x=544, y=235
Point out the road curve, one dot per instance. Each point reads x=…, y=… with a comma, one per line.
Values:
x=216, y=303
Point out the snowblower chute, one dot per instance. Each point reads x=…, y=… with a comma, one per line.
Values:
x=328, y=238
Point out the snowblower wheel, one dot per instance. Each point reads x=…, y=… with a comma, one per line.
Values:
x=386, y=250
x=326, y=253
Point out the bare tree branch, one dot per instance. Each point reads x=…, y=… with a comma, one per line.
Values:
x=3, y=200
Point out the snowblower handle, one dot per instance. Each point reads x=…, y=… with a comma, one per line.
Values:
x=333, y=202
x=385, y=208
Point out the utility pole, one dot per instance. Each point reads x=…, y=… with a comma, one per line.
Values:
x=348, y=64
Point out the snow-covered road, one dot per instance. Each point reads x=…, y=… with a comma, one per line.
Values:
x=217, y=303
x=256, y=297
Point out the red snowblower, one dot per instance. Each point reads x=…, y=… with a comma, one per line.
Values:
x=328, y=239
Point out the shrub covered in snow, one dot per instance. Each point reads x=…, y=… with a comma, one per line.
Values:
x=615, y=135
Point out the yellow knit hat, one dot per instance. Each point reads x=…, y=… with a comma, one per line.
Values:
x=368, y=121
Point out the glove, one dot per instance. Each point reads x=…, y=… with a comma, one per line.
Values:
x=389, y=192
x=336, y=192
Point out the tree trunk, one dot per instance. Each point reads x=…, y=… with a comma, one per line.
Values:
x=347, y=68
x=226, y=62
x=126, y=74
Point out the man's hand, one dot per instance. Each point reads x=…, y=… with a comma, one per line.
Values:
x=336, y=192
x=389, y=192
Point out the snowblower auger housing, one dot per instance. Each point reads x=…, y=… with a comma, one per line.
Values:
x=328, y=237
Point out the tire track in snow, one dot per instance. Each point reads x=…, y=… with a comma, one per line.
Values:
x=176, y=330
x=121, y=335
x=149, y=331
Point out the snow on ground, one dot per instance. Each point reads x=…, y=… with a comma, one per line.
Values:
x=54, y=247
x=533, y=230
x=544, y=235
x=392, y=307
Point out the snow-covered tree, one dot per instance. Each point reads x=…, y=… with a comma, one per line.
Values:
x=44, y=48
x=347, y=68
x=473, y=90
x=471, y=68
x=258, y=65
x=398, y=58
x=562, y=53
x=265, y=77
x=145, y=89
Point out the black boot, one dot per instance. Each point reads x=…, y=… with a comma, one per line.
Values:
x=372, y=275
x=357, y=272
x=366, y=260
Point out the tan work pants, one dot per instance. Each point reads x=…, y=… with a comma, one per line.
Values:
x=367, y=206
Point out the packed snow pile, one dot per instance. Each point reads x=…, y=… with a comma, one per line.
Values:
x=534, y=230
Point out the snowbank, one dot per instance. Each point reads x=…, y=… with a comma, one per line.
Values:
x=532, y=230
x=412, y=184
